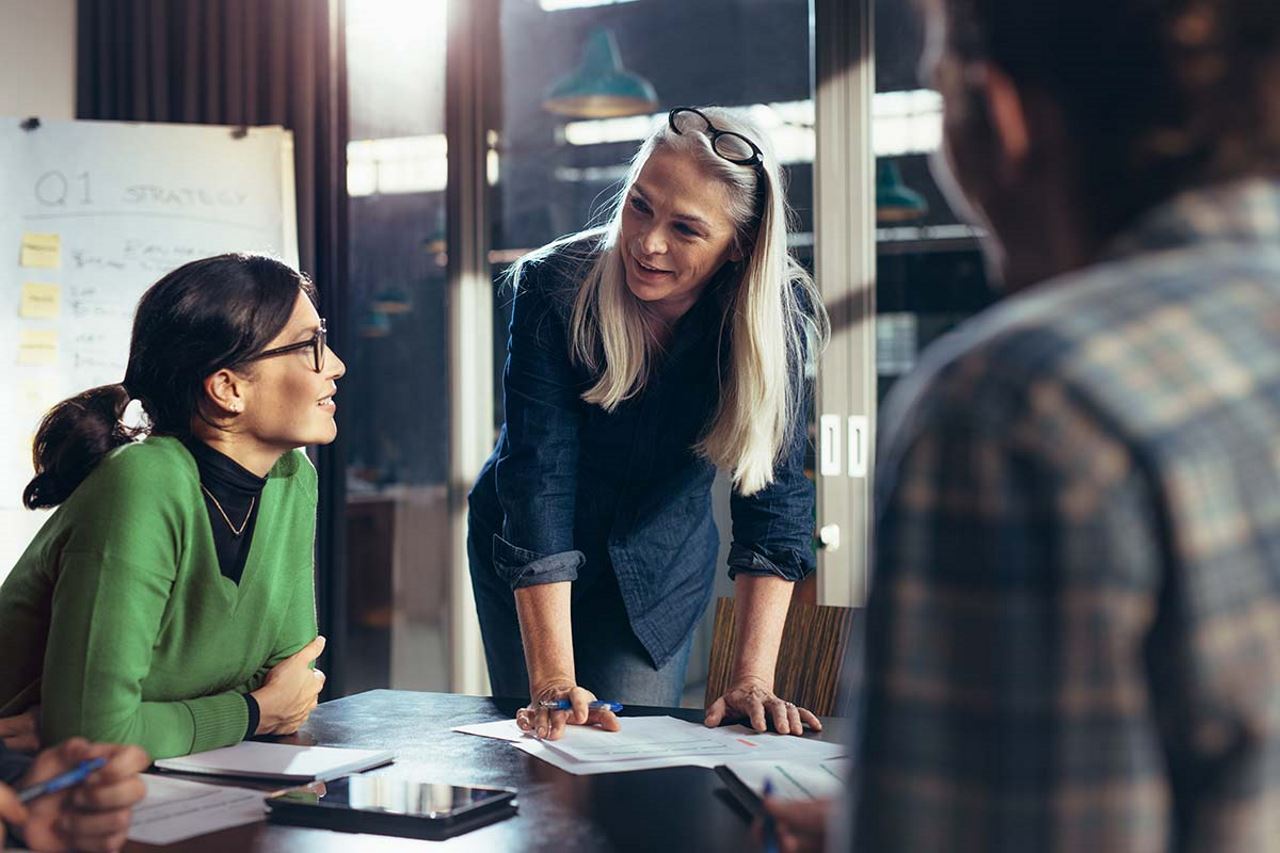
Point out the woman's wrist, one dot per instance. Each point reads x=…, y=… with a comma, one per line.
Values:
x=760, y=603
x=551, y=682
x=266, y=715
x=544, y=614
x=744, y=677
x=255, y=715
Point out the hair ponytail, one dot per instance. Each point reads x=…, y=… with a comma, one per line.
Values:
x=72, y=439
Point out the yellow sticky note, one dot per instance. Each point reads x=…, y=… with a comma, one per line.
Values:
x=34, y=397
x=41, y=250
x=38, y=346
x=41, y=301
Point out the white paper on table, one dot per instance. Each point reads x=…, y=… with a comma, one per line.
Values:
x=644, y=737
x=751, y=745
x=732, y=744
x=793, y=780
x=539, y=749
x=507, y=730
x=501, y=730
x=175, y=809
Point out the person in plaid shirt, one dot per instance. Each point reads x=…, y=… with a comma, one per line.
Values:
x=1073, y=631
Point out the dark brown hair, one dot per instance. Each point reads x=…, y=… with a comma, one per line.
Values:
x=1161, y=95
x=202, y=317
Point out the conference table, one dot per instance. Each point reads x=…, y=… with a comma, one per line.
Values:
x=669, y=809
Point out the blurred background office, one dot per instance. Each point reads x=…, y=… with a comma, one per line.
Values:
x=435, y=141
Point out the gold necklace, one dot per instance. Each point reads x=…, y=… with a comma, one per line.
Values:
x=234, y=531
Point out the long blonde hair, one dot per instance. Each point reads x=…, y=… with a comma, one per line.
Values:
x=773, y=312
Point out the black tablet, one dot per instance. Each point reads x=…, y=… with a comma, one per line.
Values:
x=391, y=805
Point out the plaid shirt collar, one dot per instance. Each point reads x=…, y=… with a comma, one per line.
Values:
x=1247, y=211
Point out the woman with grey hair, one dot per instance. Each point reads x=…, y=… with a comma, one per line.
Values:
x=643, y=355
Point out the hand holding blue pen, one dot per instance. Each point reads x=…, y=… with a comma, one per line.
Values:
x=75, y=776
x=566, y=705
x=551, y=710
x=47, y=815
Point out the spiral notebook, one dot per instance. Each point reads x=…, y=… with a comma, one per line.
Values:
x=285, y=762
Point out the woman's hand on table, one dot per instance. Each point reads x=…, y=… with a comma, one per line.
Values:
x=22, y=732
x=549, y=723
x=752, y=700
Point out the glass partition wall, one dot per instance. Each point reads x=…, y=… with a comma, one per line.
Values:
x=396, y=388
x=929, y=268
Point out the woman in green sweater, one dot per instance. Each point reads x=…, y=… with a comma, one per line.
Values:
x=169, y=601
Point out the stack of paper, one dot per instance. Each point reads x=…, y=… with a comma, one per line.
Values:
x=175, y=810
x=646, y=743
x=285, y=762
x=791, y=780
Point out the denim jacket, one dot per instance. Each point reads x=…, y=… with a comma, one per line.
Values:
x=571, y=489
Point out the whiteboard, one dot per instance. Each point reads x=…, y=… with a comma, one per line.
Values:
x=91, y=214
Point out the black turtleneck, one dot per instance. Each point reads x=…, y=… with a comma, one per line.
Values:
x=233, y=490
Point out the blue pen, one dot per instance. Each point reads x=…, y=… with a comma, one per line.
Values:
x=75, y=776
x=770, y=831
x=566, y=705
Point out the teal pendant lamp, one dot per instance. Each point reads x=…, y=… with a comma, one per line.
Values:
x=600, y=87
x=895, y=201
x=375, y=324
x=437, y=241
x=392, y=300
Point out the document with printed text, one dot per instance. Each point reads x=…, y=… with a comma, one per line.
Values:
x=176, y=809
x=649, y=742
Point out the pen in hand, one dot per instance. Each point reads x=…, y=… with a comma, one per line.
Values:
x=566, y=705
x=75, y=776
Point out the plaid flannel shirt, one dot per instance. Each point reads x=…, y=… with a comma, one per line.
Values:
x=1073, y=636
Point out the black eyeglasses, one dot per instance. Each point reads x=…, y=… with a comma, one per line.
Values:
x=317, y=343
x=732, y=146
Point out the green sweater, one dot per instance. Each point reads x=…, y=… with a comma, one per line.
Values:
x=118, y=621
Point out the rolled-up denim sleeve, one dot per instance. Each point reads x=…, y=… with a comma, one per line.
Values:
x=522, y=567
x=773, y=529
x=536, y=472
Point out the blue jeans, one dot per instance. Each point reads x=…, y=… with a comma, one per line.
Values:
x=609, y=659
